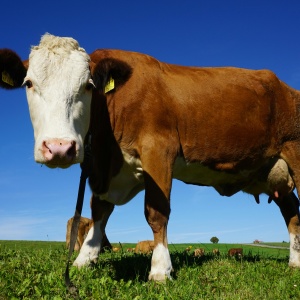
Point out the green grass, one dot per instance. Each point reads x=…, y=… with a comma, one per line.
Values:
x=34, y=270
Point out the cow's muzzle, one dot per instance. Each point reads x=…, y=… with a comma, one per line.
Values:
x=59, y=153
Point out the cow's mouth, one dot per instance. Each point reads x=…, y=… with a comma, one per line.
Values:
x=62, y=166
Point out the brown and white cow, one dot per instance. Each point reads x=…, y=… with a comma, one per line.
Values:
x=237, y=252
x=229, y=128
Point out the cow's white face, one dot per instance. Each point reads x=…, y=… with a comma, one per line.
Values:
x=59, y=91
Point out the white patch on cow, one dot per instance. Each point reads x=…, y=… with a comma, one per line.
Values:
x=161, y=265
x=91, y=247
x=127, y=183
x=198, y=174
x=277, y=177
x=58, y=100
x=294, y=250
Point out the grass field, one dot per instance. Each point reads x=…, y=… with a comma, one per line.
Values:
x=34, y=270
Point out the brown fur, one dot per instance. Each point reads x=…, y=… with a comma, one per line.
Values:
x=199, y=252
x=144, y=247
x=248, y=135
x=130, y=250
x=235, y=252
x=216, y=251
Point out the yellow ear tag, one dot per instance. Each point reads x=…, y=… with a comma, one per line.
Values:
x=7, y=79
x=110, y=85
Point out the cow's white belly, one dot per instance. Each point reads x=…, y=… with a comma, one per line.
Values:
x=130, y=181
x=197, y=173
x=272, y=177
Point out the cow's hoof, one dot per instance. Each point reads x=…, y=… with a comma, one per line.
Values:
x=158, y=277
x=82, y=262
x=293, y=264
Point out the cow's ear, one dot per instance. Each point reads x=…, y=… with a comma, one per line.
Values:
x=110, y=73
x=12, y=69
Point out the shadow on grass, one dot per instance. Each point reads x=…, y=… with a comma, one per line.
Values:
x=123, y=266
x=255, y=257
x=129, y=266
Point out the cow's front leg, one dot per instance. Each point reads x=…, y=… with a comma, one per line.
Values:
x=101, y=210
x=157, y=178
x=289, y=207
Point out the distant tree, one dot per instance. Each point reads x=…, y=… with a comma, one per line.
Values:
x=214, y=240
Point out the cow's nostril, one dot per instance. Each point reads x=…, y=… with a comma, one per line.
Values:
x=72, y=150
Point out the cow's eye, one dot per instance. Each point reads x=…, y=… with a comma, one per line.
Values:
x=28, y=83
x=90, y=85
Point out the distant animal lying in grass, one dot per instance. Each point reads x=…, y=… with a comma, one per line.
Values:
x=216, y=251
x=199, y=252
x=235, y=252
x=144, y=247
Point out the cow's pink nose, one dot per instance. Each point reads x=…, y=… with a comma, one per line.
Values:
x=59, y=152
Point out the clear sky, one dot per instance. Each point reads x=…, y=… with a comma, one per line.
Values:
x=36, y=202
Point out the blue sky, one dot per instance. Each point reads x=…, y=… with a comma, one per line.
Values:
x=36, y=202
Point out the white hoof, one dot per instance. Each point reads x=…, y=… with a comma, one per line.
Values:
x=294, y=250
x=90, y=249
x=83, y=260
x=161, y=265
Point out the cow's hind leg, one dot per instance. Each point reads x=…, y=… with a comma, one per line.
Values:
x=289, y=207
x=101, y=210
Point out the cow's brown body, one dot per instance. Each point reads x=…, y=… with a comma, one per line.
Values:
x=222, y=127
x=235, y=122
x=238, y=252
x=229, y=128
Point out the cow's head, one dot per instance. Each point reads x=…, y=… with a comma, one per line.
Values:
x=59, y=86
